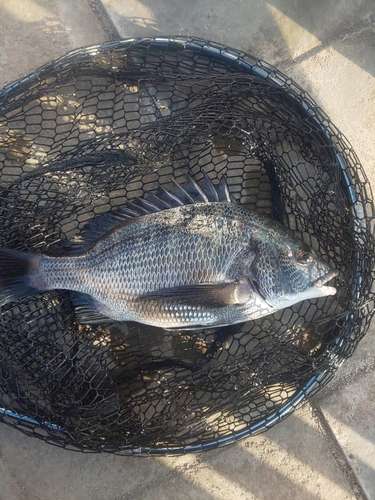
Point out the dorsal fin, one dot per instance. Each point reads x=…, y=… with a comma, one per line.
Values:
x=192, y=191
x=208, y=187
x=223, y=191
x=97, y=228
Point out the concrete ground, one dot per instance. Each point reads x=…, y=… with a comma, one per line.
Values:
x=325, y=450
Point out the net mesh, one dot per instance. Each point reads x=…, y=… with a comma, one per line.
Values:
x=105, y=124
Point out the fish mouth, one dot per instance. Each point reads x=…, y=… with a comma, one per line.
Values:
x=320, y=282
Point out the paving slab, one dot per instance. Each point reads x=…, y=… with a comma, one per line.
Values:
x=274, y=30
x=350, y=414
x=345, y=89
x=290, y=461
x=10, y=489
x=33, y=33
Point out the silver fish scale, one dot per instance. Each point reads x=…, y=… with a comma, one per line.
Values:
x=181, y=246
x=174, y=315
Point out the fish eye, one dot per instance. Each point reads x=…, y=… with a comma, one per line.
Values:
x=304, y=257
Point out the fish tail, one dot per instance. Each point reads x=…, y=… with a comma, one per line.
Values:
x=15, y=275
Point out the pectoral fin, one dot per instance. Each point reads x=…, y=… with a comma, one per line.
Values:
x=204, y=295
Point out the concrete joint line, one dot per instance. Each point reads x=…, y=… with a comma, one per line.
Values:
x=104, y=19
x=338, y=452
x=356, y=29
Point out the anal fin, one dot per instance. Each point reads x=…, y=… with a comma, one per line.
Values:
x=86, y=309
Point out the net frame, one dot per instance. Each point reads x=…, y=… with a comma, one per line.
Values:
x=170, y=84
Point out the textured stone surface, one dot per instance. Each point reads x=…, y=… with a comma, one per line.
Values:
x=290, y=461
x=34, y=32
x=344, y=86
x=350, y=414
x=274, y=30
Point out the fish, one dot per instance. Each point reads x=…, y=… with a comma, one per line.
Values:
x=190, y=257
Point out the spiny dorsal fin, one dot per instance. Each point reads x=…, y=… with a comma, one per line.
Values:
x=97, y=228
x=192, y=191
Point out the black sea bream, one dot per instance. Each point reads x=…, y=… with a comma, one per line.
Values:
x=185, y=258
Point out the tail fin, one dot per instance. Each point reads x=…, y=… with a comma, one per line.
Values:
x=15, y=269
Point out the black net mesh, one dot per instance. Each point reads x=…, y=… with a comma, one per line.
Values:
x=101, y=126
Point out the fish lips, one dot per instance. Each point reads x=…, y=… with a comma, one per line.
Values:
x=322, y=280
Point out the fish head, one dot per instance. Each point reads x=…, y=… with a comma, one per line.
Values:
x=286, y=270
